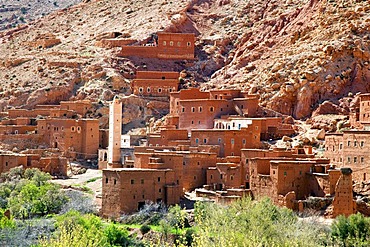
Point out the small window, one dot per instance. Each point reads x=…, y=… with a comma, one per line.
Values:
x=183, y=109
x=171, y=43
x=196, y=140
x=285, y=173
x=211, y=176
x=219, y=140
x=148, y=89
x=188, y=43
x=348, y=143
x=142, y=181
x=221, y=176
x=340, y=146
x=73, y=129
x=354, y=159
x=198, y=163
x=141, y=89
x=355, y=143
x=160, y=190
x=159, y=179
x=78, y=129
x=211, y=109
x=192, y=122
x=244, y=141
x=159, y=90
x=232, y=141
x=349, y=159
x=193, y=109
x=200, y=109
x=6, y=163
x=362, y=159
x=132, y=181
x=164, y=43
x=106, y=180
x=115, y=181
x=231, y=177
x=195, y=177
x=362, y=143
x=205, y=140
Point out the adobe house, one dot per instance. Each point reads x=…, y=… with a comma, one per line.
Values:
x=66, y=109
x=230, y=141
x=11, y=160
x=360, y=114
x=155, y=83
x=163, y=46
x=53, y=165
x=125, y=190
x=288, y=181
x=194, y=109
x=75, y=138
x=350, y=149
x=168, y=137
x=225, y=175
x=271, y=128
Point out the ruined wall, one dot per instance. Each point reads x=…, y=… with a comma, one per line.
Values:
x=343, y=200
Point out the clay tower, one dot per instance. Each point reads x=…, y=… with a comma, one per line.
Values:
x=115, y=129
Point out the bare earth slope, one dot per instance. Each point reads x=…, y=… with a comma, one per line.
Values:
x=295, y=54
x=13, y=12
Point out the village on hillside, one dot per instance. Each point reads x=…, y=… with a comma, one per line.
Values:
x=214, y=145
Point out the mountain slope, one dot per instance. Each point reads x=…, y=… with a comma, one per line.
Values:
x=293, y=53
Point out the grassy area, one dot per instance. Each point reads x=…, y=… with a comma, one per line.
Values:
x=93, y=179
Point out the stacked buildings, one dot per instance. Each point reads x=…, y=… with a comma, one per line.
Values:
x=49, y=136
x=211, y=142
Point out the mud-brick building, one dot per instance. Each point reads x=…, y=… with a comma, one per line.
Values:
x=163, y=46
x=75, y=138
x=288, y=181
x=155, y=83
x=126, y=190
x=194, y=109
x=230, y=141
x=350, y=149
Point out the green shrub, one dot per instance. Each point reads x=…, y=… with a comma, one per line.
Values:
x=116, y=236
x=144, y=229
x=253, y=223
x=351, y=231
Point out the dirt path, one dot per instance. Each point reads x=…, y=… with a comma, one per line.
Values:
x=91, y=179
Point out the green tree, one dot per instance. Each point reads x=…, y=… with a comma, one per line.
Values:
x=351, y=231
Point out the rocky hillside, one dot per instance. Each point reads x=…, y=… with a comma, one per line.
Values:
x=14, y=12
x=295, y=54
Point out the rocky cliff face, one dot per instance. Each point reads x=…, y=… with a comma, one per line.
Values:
x=295, y=54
